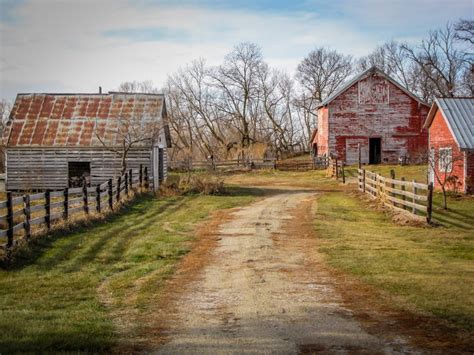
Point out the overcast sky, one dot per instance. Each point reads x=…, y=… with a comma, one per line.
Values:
x=77, y=46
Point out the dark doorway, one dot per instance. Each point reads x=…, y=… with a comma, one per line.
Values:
x=375, y=150
x=161, y=167
x=77, y=172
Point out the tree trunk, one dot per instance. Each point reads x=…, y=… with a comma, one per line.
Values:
x=445, y=202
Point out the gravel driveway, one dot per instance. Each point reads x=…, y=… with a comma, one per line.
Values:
x=264, y=290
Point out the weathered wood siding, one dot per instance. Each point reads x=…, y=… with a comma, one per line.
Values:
x=373, y=108
x=47, y=168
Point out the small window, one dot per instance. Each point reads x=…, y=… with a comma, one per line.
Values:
x=445, y=163
x=78, y=171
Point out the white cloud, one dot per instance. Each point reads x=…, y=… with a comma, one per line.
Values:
x=61, y=46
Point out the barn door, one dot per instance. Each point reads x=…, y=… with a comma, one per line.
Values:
x=155, y=167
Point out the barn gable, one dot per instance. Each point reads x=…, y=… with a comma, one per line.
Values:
x=374, y=112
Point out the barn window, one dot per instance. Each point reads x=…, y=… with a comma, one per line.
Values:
x=77, y=172
x=445, y=163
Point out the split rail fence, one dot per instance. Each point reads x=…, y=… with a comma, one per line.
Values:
x=20, y=213
x=337, y=169
x=285, y=165
x=409, y=197
x=189, y=165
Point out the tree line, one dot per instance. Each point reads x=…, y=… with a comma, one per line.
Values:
x=244, y=108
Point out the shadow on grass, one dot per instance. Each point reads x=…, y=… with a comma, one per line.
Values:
x=30, y=252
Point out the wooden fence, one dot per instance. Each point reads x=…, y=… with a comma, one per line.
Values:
x=336, y=169
x=409, y=197
x=20, y=213
x=286, y=165
x=189, y=165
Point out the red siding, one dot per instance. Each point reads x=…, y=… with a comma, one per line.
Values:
x=321, y=138
x=441, y=137
x=374, y=107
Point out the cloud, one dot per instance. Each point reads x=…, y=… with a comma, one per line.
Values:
x=77, y=46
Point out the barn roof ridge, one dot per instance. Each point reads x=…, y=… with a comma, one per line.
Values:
x=355, y=79
x=458, y=113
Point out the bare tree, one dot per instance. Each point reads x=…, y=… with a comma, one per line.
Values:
x=237, y=82
x=440, y=61
x=464, y=31
x=5, y=108
x=128, y=132
x=146, y=87
x=442, y=165
x=323, y=71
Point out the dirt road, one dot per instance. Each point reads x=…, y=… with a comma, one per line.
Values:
x=264, y=290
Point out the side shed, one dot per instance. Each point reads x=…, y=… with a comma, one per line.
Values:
x=450, y=124
x=54, y=140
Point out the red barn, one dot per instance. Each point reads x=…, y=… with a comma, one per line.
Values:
x=373, y=111
x=451, y=139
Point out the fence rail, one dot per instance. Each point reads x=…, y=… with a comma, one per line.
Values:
x=19, y=213
x=188, y=165
x=288, y=164
x=409, y=197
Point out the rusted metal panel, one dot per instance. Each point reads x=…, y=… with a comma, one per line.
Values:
x=70, y=120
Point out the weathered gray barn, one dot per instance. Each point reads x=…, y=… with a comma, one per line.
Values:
x=53, y=139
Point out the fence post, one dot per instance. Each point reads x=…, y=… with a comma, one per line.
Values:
x=147, y=185
x=413, y=209
x=140, y=176
x=403, y=196
x=130, y=179
x=429, y=207
x=376, y=193
x=66, y=204
x=119, y=183
x=10, y=219
x=47, y=207
x=27, y=213
x=358, y=152
x=392, y=185
x=363, y=180
x=125, y=177
x=85, y=198
x=97, y=198
x=111, y=194
x=343, y=173
x=337, y=172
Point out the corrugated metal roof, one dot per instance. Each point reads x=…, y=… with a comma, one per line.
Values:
x=364, y=74
x=459, y=114
x=77, y=120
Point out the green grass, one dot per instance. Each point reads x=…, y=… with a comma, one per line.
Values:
x=409, y=172
x=429, y=269
x=65, y=292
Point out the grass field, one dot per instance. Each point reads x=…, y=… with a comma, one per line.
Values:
x=426, y=269
x=54, y=297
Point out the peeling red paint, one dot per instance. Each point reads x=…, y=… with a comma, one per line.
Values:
x=372, y=107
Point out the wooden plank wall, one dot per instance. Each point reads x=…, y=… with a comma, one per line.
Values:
x=47, y=168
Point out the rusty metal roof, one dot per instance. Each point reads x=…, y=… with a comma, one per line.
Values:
x=77, y=120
